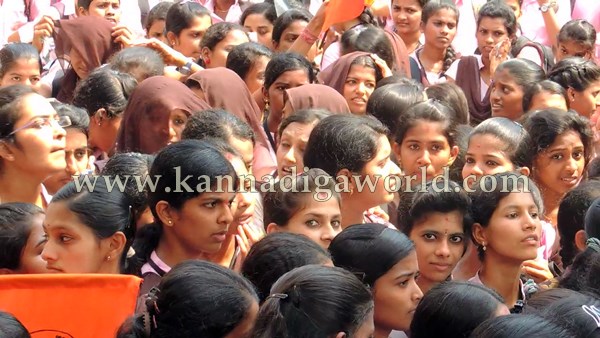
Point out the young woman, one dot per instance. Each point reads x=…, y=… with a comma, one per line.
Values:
x=439, y=21
x=425, y=140
x=496, y=27
x=258, y=20
x=386, y=261
x=288, y=27
x=185, y=25
x=509, y=83
x=543, y=95
x=581, y=80
x=309, y=208
x=292, y=137
x=20, y=64
x=355, y=150
x=439, y=223
x=316, y=301
x=156, y=114
x=77, y=153
x=22, y=238
x=436, y=314
x=576, y=38
x=190, y=302
x=407, y=21
x=156, y=21
x=221, y=88
x=284, y=71
x=32, y=145
x=104, y=95
x=561, y=148
x=355, y=76
x=278, y=253
x=88, y=232
x=88, y=43
x=189, y=223
x=249, y=61
x=507, y=230
x=218, y=41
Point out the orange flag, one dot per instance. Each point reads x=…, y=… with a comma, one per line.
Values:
x=70, y=305
x=343, y=10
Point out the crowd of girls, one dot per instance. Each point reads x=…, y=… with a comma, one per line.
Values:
x=417, y=168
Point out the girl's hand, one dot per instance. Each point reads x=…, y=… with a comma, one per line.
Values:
x=43, y=29
x=499, y=54
x=377, y=211
x=123, y=35
x=385, y=70
x=246, y=237
x=538, y=271
x=169, y=55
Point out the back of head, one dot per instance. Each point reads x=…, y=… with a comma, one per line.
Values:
x=11, y=327
x=572, y=217
x=140, y=62
x=390, y=102
x=454, y=97
x=575, y=72
x=580, y=314
x=15, y=227
x=275, y=255
x=437, y=315
x=368, y=38
x=370, y=250
x=314, y=301
x=216, y=123
x=104, y=89
x=80, y=120
x=519, y=326
x=544, y=299
x=197, y=299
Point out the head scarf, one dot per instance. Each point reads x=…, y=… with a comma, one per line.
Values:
x=224, y=89
x=335, y=75
x=91, y=38
x=316, y=96
x=401, y=61
x=145, y=124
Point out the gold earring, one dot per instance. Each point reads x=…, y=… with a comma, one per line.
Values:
x=170, y=222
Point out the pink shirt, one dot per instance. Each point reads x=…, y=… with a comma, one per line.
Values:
x=532, y=22
x=147, y=268
x=589, y=10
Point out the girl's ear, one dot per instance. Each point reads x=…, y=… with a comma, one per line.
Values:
x=571, y=94
x=479, y=234
x=165, y=213
x=524, y=171
x=116, y=244
x=580, y=240
x=171, y=39
x=345, y=176
x=453, y=155
x=340, y=335
x=272, y=228
x=396, y=149
x=6, y=152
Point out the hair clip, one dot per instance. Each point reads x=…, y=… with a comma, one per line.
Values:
x=594, y=312
x=279, y=296
x=594, y=244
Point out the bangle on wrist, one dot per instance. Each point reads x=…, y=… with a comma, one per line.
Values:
x=308, y=37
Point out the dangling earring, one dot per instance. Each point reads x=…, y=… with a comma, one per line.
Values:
x=266, y=110
x=484, y=247
x=207, y=61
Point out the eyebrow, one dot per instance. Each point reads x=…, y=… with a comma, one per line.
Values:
x=406, y=274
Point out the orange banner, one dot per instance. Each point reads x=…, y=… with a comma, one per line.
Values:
x=343, y=10
x=70, y=305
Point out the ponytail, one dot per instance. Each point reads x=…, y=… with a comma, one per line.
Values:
x=449, y=58
x=146, y=241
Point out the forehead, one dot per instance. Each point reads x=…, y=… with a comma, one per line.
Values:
x=362, y=71
x=35, y=105
x=98, y=2
x=486, y=143
x=489, y=23
x=406, y=3
x=25, y=64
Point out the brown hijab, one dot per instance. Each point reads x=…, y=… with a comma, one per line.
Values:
x=316, y=96
x=223, y=88
x=335, y=75
x=401, y=61
x=91, y=38
x=145, y=124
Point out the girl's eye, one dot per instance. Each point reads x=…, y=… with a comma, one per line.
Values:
x=312, y=223
x=577, y=155
x=437, y=147
x=469, y=160
x=80, y=154
x=351, y=82
x=213, y=204
x=491, y=163
x=370, y=85
x=456, y=239
x=65, y=238
x=429, y=237
x=413, y=147
x=336, y=224
x=534, y=215
x=15, y=78
x=281, y=88
x=512, y=215
x=403, y=283
x=557, y=157
x=505, y=90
